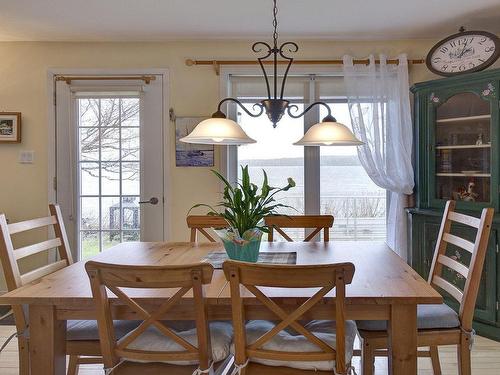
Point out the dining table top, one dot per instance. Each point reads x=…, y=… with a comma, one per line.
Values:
x=381, y=277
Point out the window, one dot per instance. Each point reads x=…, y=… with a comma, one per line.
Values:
x=347, y=192
x=109, y=172
x=268, y=153
x=330, y=180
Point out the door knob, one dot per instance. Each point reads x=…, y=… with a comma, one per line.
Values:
x=153, y=200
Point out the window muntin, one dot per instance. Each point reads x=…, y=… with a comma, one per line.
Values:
x=108, y=172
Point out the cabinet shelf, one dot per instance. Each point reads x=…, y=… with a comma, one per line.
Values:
x=462, y=119
x=456, y=147
x=463, y=175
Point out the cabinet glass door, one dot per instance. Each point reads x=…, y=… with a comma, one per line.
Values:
x=463, y=143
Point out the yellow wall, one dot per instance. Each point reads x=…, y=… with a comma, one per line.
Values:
x=193, y=91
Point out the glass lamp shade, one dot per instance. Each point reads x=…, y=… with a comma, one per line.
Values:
x=218, y=131
x=328, y=133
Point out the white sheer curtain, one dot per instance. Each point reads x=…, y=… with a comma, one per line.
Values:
x=379, y=105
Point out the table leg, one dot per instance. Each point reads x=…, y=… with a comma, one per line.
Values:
x=47, y=341
x=403, y=340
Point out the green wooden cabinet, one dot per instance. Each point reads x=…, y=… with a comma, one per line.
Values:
x=457, y=135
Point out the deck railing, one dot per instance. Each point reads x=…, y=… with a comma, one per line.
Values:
x=357, y=217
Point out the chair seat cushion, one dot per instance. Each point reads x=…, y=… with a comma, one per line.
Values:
x=290, y=341
x=221, y=335
x=428, y=317
x=82, y=330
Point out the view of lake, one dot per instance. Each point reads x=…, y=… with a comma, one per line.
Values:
x=347, y=193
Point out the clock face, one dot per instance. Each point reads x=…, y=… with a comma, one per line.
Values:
x=468, y=51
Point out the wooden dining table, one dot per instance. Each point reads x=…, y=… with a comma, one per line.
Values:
x=384, y=288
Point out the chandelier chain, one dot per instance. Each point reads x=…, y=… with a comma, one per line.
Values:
x=275, y=24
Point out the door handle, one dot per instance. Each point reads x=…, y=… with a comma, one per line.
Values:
x=153, y=201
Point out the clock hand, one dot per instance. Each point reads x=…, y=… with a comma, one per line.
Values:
x=463, y=50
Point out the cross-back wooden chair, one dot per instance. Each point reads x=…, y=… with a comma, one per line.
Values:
x=199, y=223
x=119, y=355
x=317, y=223
x=10, y=256
x=439, y=324
x=325, y=277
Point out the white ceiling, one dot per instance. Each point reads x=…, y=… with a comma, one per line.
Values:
x=156, y=20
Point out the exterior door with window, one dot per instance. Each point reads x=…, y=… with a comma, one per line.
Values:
x=110, y=163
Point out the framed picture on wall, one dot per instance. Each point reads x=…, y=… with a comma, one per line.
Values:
x=10, y=127
x=188, y=154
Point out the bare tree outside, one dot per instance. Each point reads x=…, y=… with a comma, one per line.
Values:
x=109, y=153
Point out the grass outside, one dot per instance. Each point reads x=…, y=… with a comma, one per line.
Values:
x=90, y=241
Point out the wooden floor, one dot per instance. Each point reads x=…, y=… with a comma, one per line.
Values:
x=485, y=359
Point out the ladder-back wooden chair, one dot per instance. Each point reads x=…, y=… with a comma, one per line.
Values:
x=153, y=341
x=257, y=344
x=439, y=324
x=200, y=223
x=10, y=256
x=317, y=223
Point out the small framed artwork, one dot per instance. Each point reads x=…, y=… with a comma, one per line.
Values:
x=188, y=154
x=10, y=127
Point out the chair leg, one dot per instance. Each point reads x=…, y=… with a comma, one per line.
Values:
x=24, y=356
x=73, y=365
x=464, y=355
x=436, y=366
x=367, y=357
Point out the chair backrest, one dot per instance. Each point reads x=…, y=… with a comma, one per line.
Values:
x=326, y=277
x=199, y=223
x=116, y=277
x=10, y=256
x=472, y=273
x=315, y=222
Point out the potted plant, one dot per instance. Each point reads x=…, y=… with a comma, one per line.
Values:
x=244, y=208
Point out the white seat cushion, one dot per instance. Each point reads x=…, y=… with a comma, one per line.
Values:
x=439, y=316
x=221, y=334
x=87, y=330
x=78, y=330
x=289, y=341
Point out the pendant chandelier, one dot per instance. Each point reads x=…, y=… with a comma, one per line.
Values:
x=220, y=130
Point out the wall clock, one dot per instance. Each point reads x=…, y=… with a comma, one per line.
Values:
x=464, y=52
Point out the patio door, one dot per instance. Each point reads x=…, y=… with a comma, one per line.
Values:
x=110, y=162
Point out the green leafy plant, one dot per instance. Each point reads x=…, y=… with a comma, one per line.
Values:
x=244, y=206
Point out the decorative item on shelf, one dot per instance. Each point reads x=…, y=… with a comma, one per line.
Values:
x=244, y=209
x=220, y=130
x=445, y=164
x=467, y=195
x=479, y=140
x=457, y=278
x=463, y=52
x=10, y=127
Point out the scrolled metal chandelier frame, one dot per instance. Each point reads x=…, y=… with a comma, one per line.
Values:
x=223, y=131
x=274, y=106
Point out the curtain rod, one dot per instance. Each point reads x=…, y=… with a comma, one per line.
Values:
x=146, y=78
x=217, y=63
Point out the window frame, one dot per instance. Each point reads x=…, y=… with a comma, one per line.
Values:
x=229, y=155
x=228, y=160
